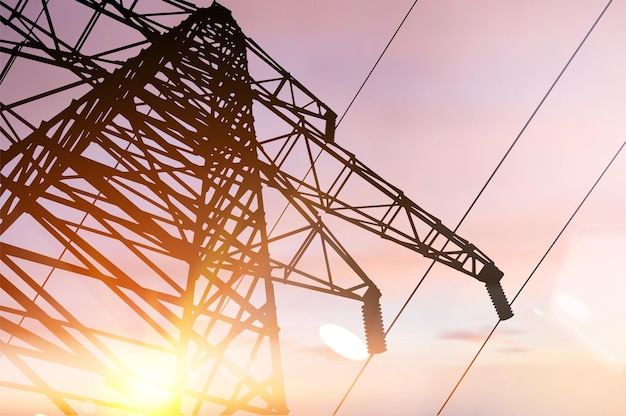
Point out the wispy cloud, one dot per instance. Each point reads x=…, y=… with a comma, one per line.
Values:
x=504, y=336
x=462, y=336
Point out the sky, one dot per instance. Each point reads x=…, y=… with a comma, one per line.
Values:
x=451, y=94
x=449, y=97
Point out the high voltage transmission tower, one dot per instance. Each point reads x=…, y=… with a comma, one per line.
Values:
x=135, y=202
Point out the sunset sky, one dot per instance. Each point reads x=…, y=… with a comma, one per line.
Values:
x=449, y=97
x=453, y=91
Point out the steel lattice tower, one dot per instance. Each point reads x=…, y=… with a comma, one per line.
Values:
x=148, y=195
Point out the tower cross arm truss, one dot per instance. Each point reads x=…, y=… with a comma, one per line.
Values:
x=335, y=182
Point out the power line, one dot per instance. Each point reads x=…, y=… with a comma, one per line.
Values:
x=18, y=47
x=347, y=109
x=532, y=273
x=506, y=154
x=377, y=61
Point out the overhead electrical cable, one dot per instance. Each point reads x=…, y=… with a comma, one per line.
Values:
x=532, y=273
x=348, y=108
x=377, y=61
x=497, y=168
x=20, y=45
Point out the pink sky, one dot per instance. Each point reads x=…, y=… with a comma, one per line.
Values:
x=447, y=100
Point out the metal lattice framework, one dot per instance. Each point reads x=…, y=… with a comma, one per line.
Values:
x=147, y=197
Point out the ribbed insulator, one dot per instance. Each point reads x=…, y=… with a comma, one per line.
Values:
x=331, y=120
x=499, y=300
x=373, y=322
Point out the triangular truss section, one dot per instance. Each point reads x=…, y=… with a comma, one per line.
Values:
x=149, y=268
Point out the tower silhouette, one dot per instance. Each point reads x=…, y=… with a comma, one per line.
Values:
x=149, y=259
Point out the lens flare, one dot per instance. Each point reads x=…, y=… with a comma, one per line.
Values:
x=343, y=342
x=573, y=306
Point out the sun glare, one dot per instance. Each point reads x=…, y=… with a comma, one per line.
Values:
x=149, y=390
x=149, y=382
x=149, y=395
x=343, y=342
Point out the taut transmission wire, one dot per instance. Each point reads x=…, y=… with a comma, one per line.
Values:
x=377, y=61
x=506, y=154
x=532, y=273
x=348, y=108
